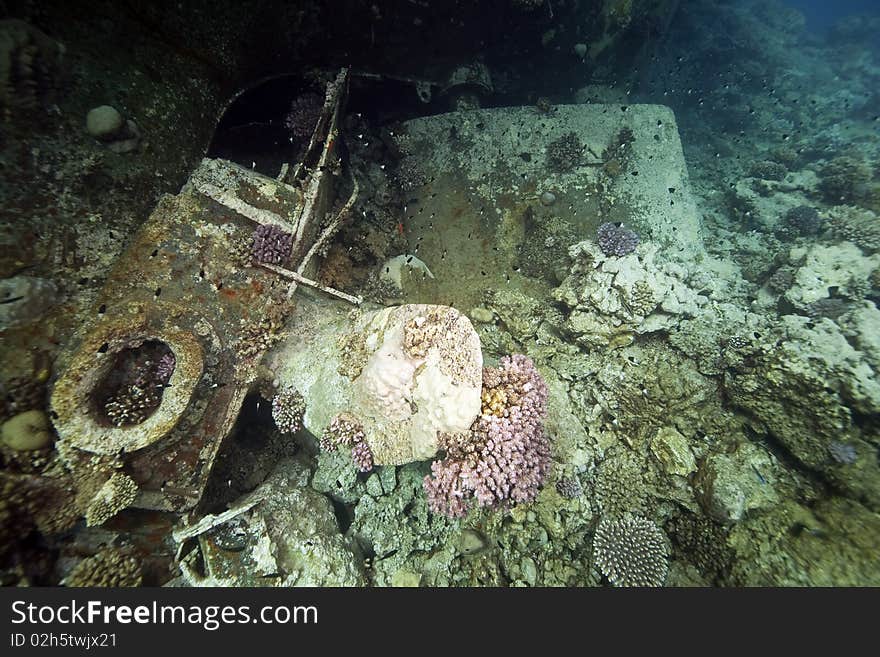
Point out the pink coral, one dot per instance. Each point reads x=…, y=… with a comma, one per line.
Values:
x=362, y=456
x=346, y=431
x=505, y=457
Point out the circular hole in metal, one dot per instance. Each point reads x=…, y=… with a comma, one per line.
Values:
x=132, y=388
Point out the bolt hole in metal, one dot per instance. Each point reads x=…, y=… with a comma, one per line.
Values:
x=132, y=388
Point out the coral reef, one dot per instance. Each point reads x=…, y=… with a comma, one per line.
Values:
x=109, y=567
x=616, y=239
x=271, y=245
x=631, y=551
x=288, y=406
x=117, y=493
x=506, y=455
x=302, y=117
x=857, y=225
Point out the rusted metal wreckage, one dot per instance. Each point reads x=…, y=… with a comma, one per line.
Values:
x=187, y=286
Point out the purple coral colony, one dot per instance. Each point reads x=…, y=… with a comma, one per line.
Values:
x=505, y=458
x=616, y=240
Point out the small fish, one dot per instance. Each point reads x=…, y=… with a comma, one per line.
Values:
x=760, y=476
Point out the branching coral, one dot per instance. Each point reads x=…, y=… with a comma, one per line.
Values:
x=345, y=431
x=108, y=568
x=861, y=227
x=505, y=457
x=288, y=407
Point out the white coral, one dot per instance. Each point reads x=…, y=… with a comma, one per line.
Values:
x=405, y=402
x=615, y=298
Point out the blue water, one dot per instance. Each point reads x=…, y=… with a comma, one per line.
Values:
x=821, y=14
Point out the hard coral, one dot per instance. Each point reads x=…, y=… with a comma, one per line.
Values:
x=107, y=568
x=616, y=240
x=505, y=457
x=302, y=117
x=117, y=493
x=344, y=431
x=803, y=220
x=843, y=179
x=362, y=456
x=861, y=227
x=271, y=245
x=288, y=407
x=631, y=551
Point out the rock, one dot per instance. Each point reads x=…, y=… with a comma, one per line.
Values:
x=24, y=299
x=289, y=538
x=336, y=476
x=388, y=479
x=839, y=268
x=731, y=485
x=405, y=579
x=808, y=391
x=672, y=451
x=128, y=140
x=613, y=299
x=482, y=315
x=521, y=315
x=405, y=374
x=104, y=123
x=470, y=541
x=529, y=571
x=302, y=526
x=27, y=431
x=860, y=325
x=374, y=486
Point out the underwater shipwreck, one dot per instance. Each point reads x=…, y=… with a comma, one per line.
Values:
x=306, y=314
